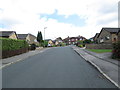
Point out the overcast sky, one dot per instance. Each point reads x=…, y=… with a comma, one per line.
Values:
x=61, y=17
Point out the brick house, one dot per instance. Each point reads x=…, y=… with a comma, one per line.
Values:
x=108, y=35
x=31, y=39
x=119, y=35
x=8, y=34
x=74, y=40
x=95, y=39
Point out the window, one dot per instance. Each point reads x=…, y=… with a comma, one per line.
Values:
x=115, y=39
x=107, y=38
x=101, y=40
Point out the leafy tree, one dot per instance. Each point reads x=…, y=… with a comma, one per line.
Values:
x=87, y=41
x=80, y=42
x=45, y=43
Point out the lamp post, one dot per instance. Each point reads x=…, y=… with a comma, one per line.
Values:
x=44, y=35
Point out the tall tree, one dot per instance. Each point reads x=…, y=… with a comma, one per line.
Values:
x=39, y=37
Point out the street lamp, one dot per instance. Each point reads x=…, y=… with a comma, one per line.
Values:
x=44, y=35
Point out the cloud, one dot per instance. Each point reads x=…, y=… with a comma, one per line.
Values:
x=71, y=19
x=23, y=16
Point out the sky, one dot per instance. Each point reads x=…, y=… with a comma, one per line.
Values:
x=62, y=18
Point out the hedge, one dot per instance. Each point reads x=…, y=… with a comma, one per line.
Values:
x=12, y=44
x=116, y=50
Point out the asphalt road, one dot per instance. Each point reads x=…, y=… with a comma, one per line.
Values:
x=55, y=68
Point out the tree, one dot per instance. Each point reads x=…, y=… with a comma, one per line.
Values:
x=39, y=37
x=87, y=41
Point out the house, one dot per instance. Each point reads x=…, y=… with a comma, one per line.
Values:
x=118, y=35
x=95, y=39
x=108, y=35
x=66, y=40
x=31, y=39
x=50, y=42
x=58, y=41
x=8, y=34
x=74, y=40
x=91, y=39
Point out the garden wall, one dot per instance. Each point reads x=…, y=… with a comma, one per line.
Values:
x=99, y=46
x=6, y=54
x=12, y=47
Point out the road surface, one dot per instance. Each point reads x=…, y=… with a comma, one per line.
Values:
x=54, y=68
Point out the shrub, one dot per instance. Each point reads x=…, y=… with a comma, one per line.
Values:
x=12, y=44
x=80, y=45
x=116, y=50
x=32, y=46
x=54, y=46
x=45, y=43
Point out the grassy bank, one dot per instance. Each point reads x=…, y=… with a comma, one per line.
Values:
x=100, y=50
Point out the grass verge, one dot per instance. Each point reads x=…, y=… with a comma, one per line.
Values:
x=100, y=50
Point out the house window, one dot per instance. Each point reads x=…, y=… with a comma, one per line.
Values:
x=115, y=39
x=72, y=39
x=101, y=40
x=107, y=38
x=80, y=38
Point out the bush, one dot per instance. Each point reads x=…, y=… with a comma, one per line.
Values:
x=33, y=46
x=116, y=50
x=45, y=43
x=80, y=46
x=12, y=44
x=54, y=46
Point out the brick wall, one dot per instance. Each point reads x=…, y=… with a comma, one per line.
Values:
x=6, y=54
x=99, y=46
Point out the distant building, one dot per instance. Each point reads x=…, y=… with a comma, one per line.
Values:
x=58, y=41
x=74, y=40
x=31, y=39
x=8, y=34
x=108, y=35
x=50, y=42
x=91, y=39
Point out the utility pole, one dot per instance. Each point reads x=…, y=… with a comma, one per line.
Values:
x=44, y=35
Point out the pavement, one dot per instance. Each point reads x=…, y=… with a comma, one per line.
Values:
x=59, y=67
x=104, y=56
x=103, y=62
x=8, y=61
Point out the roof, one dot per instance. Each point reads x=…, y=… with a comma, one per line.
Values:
x=6, y=33
x=22, y=36
x=118, y=32
x=96, y=35
x=111, y=30
x=32, y=35
x=47, y=39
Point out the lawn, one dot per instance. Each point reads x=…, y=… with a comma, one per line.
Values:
x=100, y=50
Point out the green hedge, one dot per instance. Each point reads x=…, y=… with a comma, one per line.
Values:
x=116, y=50
x=12, y=44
